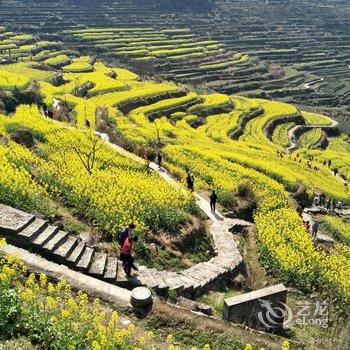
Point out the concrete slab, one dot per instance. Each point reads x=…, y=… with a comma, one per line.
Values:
x=13, y=220
x=77, y=280
x=262, y=309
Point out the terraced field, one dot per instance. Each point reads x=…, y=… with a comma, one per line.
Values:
x=193, y=130
x=203, y=94
x=283, y=55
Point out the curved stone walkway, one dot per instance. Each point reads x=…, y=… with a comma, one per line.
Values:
x=36, y=235
x=202, y=276
x=293, y=133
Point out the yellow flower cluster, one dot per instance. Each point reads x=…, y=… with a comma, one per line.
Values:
x=119, y=191
x=113, y=191
x=253, y=161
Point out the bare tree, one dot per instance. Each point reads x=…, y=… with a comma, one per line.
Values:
x=88, y=147
x=158, y=125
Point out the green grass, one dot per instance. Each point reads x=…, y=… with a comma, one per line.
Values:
x=310, y=138
x=338, y=228
x=280, y=134
x=57, y=60
x=315, y=119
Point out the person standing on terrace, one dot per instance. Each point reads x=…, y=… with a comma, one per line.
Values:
x=126, y=255
x=159, y=159
x=213, y=199
x=125, y=233
x=307, y=226
x=314, y=229
x=190, y=181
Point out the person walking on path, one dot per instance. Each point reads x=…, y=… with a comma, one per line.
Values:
x=314, y=229
x=159, y=159
x=329, y=204
x=340, y=207
x=125, y=233
x=126, y=255
x=147, y=161
x=190, y=181
x=307, y=226
x=213, y=199
x=316, y=201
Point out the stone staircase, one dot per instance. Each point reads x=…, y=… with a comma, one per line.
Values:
x=36, y=235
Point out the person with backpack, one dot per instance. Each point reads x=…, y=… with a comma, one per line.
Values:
x=316, y=201
x=213, y=199
x=126, y=255
x=125, y=233
x=159, y=159
x=190, y=181
x=307, y=226
x=314, y=228
x=339, y=206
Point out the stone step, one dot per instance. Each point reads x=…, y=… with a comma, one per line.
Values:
x=85, y=261
x=45, y=236
x=124, y=281
x=189, y=282
x=214, y=268
x=120, y=272
x=32, y=231
x=98, y=265
x=199, y=275
x=148, y=277
x=169, y=281
x=66, y=248
x=56, y=241
x=162, y=289
x=76, y=254
x=13, y=220
x=111, y=269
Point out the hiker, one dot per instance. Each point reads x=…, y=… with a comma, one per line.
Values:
x=333, y=204
x=315, y=227
x=87, y=123
x=126, y=255
x=148, y=162
x=329, y=204
x=307, y=226
x=316, y=201
x=190, y=181
x=213, y=199
x=125, y=233
x=159, y=159
x=329, y=162
x=339, y=206
x=335, y=171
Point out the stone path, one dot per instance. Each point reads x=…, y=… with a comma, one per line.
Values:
x=294, y=132
x=36, y=235
x=320, y=237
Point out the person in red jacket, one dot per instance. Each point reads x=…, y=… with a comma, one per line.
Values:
x=126, y=255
